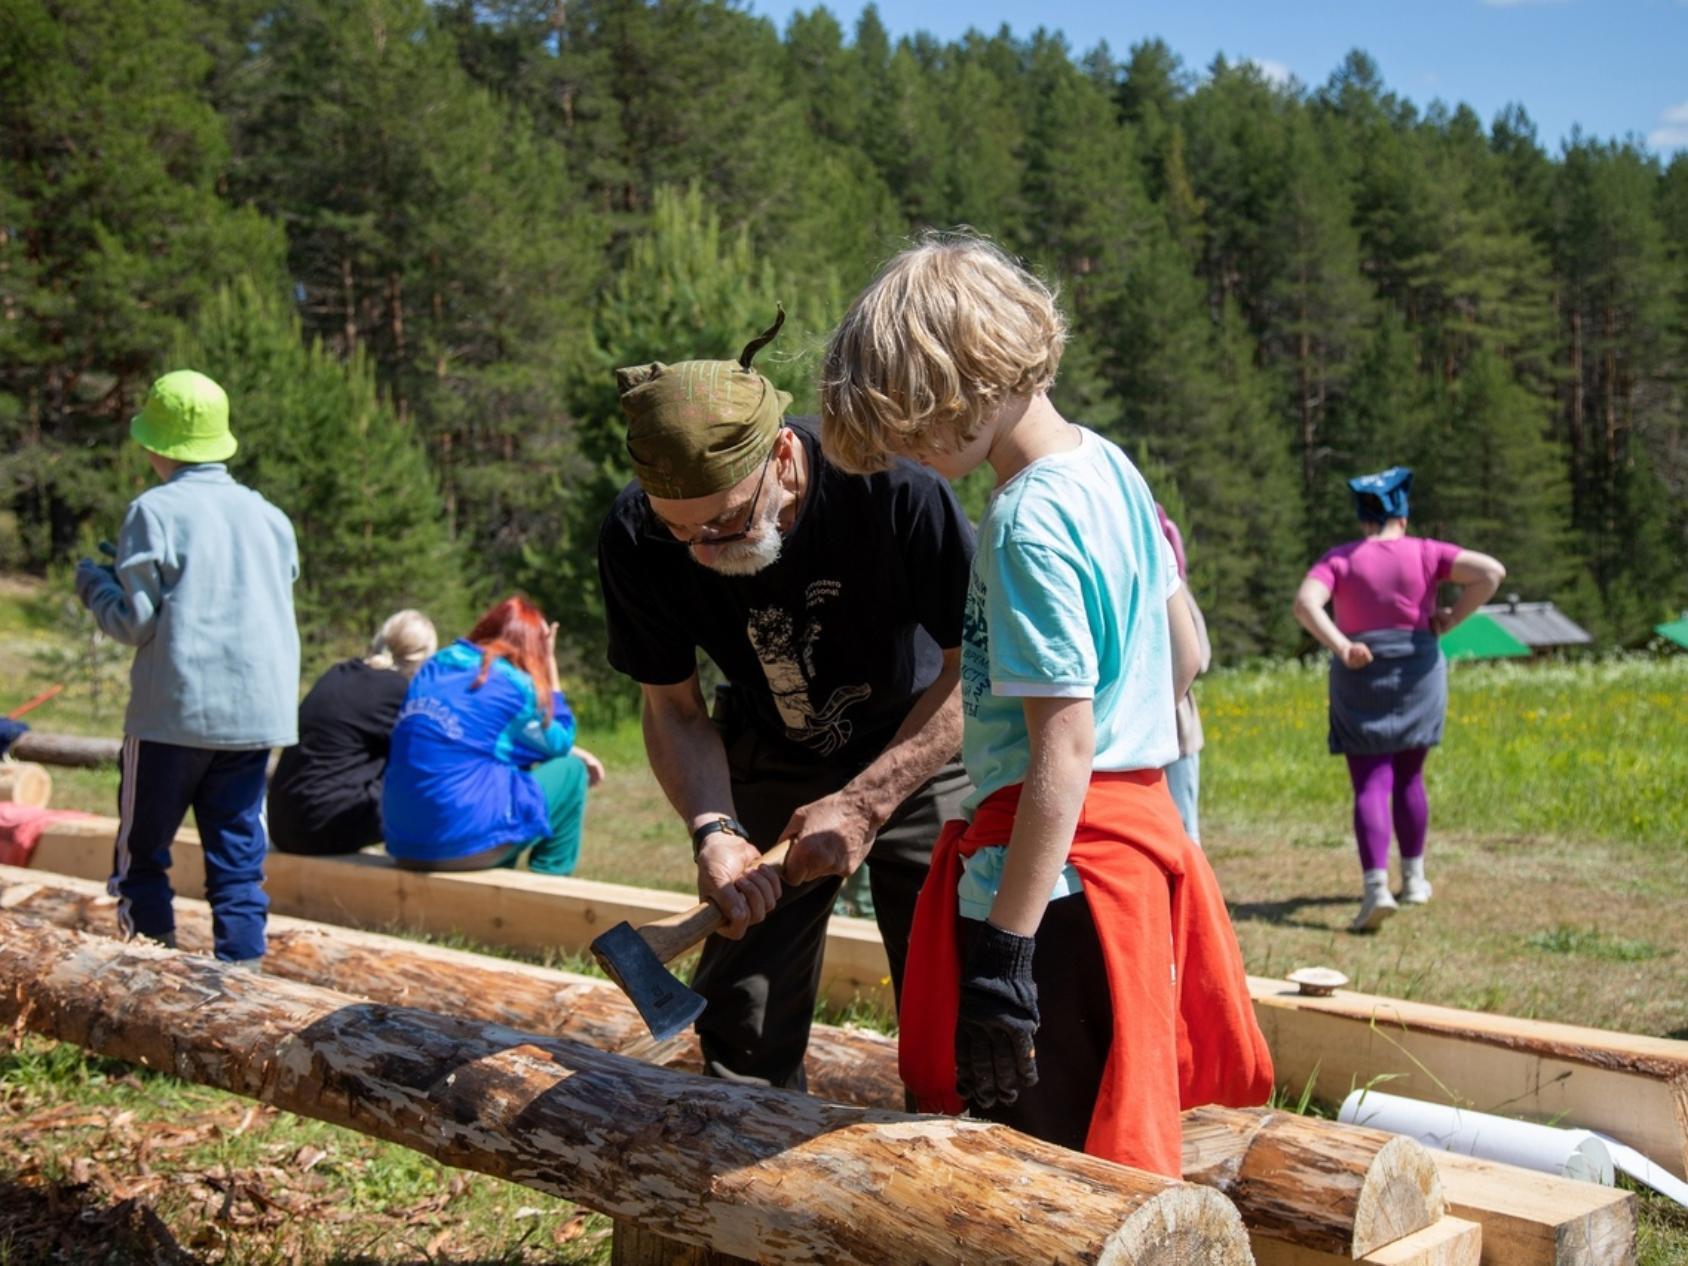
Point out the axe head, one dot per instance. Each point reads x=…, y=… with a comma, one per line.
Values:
x=666, y=1006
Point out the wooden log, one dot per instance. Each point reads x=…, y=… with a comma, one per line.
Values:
x=1631, y=1087
x=771, y=1175
x=1315, y=1182
x=1343, y=1191
x=633, y=1245
x=516, y=909
x=1534, y=1219
x=68, y=749
x=25, y=782
x=1448, y=1242
x=845, y=1065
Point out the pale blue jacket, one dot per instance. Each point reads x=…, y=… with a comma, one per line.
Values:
x=202, y=587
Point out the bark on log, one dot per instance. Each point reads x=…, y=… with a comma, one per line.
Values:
x=845, y=1065
x=1315, y=1183
x=765, y=1174
x=68, y=749
x=1348, y=1191
x=24, y=782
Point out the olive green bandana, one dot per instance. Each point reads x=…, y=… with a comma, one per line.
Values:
x=700, y=426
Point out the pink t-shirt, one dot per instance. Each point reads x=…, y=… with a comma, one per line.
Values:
x=1377, y=584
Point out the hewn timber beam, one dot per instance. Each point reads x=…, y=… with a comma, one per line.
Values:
x=1324, y=1185
x=769, y=1175
x=1449, y=1242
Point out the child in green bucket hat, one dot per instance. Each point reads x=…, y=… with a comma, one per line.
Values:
x=201, y=584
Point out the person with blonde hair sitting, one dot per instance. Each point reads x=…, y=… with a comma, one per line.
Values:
x=325, y=797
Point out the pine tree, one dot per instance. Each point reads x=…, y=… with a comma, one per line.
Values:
x=317, y=439
x=111, y=234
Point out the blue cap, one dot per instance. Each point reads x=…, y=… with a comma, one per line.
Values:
x=1383, y=496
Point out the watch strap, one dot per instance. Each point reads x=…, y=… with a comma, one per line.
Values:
x=716, y=826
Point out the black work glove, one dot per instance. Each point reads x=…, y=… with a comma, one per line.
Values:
x=995, y=1058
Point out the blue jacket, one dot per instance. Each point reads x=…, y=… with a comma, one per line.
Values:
x=202, y=587
x=456, y=779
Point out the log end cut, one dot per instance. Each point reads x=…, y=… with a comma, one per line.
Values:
x=24, y=782
x=1181, y=1226
x=1402, y=1194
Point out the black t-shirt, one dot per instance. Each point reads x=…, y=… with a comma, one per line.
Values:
x=827, y=648
x=345, y=728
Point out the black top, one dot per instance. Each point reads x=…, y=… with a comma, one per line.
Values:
x=327, y=781
x=827, y=648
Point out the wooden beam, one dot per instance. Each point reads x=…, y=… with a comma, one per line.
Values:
x=1532, y=1219
x=1632, y=1087
x=742, y=1170
x=1449, y=1242
x=1318, y=1183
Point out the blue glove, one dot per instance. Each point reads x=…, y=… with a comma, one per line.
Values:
x=10, y=732
x=996, y=1030
x=91, y=576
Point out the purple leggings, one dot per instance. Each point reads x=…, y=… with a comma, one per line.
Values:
x=1389, y=788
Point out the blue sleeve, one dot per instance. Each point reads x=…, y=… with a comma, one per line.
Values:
x=529, y=737
x=1037, y=609
x=125, y=600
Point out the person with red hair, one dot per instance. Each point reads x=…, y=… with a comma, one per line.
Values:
x=483, y=764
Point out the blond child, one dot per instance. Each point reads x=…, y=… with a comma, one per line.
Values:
x=1072, y=971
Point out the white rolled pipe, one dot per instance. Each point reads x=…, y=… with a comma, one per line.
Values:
x=1571, y=1153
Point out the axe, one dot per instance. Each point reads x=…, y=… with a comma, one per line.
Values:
x=637, y=959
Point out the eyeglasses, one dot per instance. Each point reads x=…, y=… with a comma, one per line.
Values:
x=707, y=537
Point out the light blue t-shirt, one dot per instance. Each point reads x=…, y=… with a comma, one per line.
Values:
x=1067, y=599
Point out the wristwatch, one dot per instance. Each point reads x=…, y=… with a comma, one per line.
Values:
x=717, y=826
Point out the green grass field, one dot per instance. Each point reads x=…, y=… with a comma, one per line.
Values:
x=1558, y=839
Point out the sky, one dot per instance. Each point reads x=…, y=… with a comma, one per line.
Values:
x=1617, y=68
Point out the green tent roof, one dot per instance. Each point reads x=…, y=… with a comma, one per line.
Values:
x=1479, y=637
x=1676, y=631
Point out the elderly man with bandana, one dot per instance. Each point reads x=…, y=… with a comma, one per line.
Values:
x=832, y=606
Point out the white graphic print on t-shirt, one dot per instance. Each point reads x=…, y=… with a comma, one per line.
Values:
x=787, y=654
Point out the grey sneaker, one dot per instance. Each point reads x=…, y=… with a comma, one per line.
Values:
x=1375, y=908
x=1415, y=890
x=247, y=964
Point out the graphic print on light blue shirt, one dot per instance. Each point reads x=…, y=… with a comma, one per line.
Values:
x=456, y=777
x=1068, y=600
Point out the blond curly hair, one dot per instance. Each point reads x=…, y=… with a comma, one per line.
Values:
x=944, y=334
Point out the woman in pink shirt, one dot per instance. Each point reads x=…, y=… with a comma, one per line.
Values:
x=1388, y=680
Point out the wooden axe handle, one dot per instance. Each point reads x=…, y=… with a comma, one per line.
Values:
x=671, y=937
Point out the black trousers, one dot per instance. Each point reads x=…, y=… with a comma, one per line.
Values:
x=1075, y=1029
x=761, y=990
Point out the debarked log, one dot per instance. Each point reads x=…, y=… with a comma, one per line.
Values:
x=769, y=1175
x=1348, y=1192
x=1315, y=1183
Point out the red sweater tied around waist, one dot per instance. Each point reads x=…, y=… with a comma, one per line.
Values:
x=1189, y=1041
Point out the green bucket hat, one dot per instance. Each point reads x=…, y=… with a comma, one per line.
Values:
x=185, y=418
x=700, y=426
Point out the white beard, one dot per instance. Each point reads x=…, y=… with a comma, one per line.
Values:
x=751, y=555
